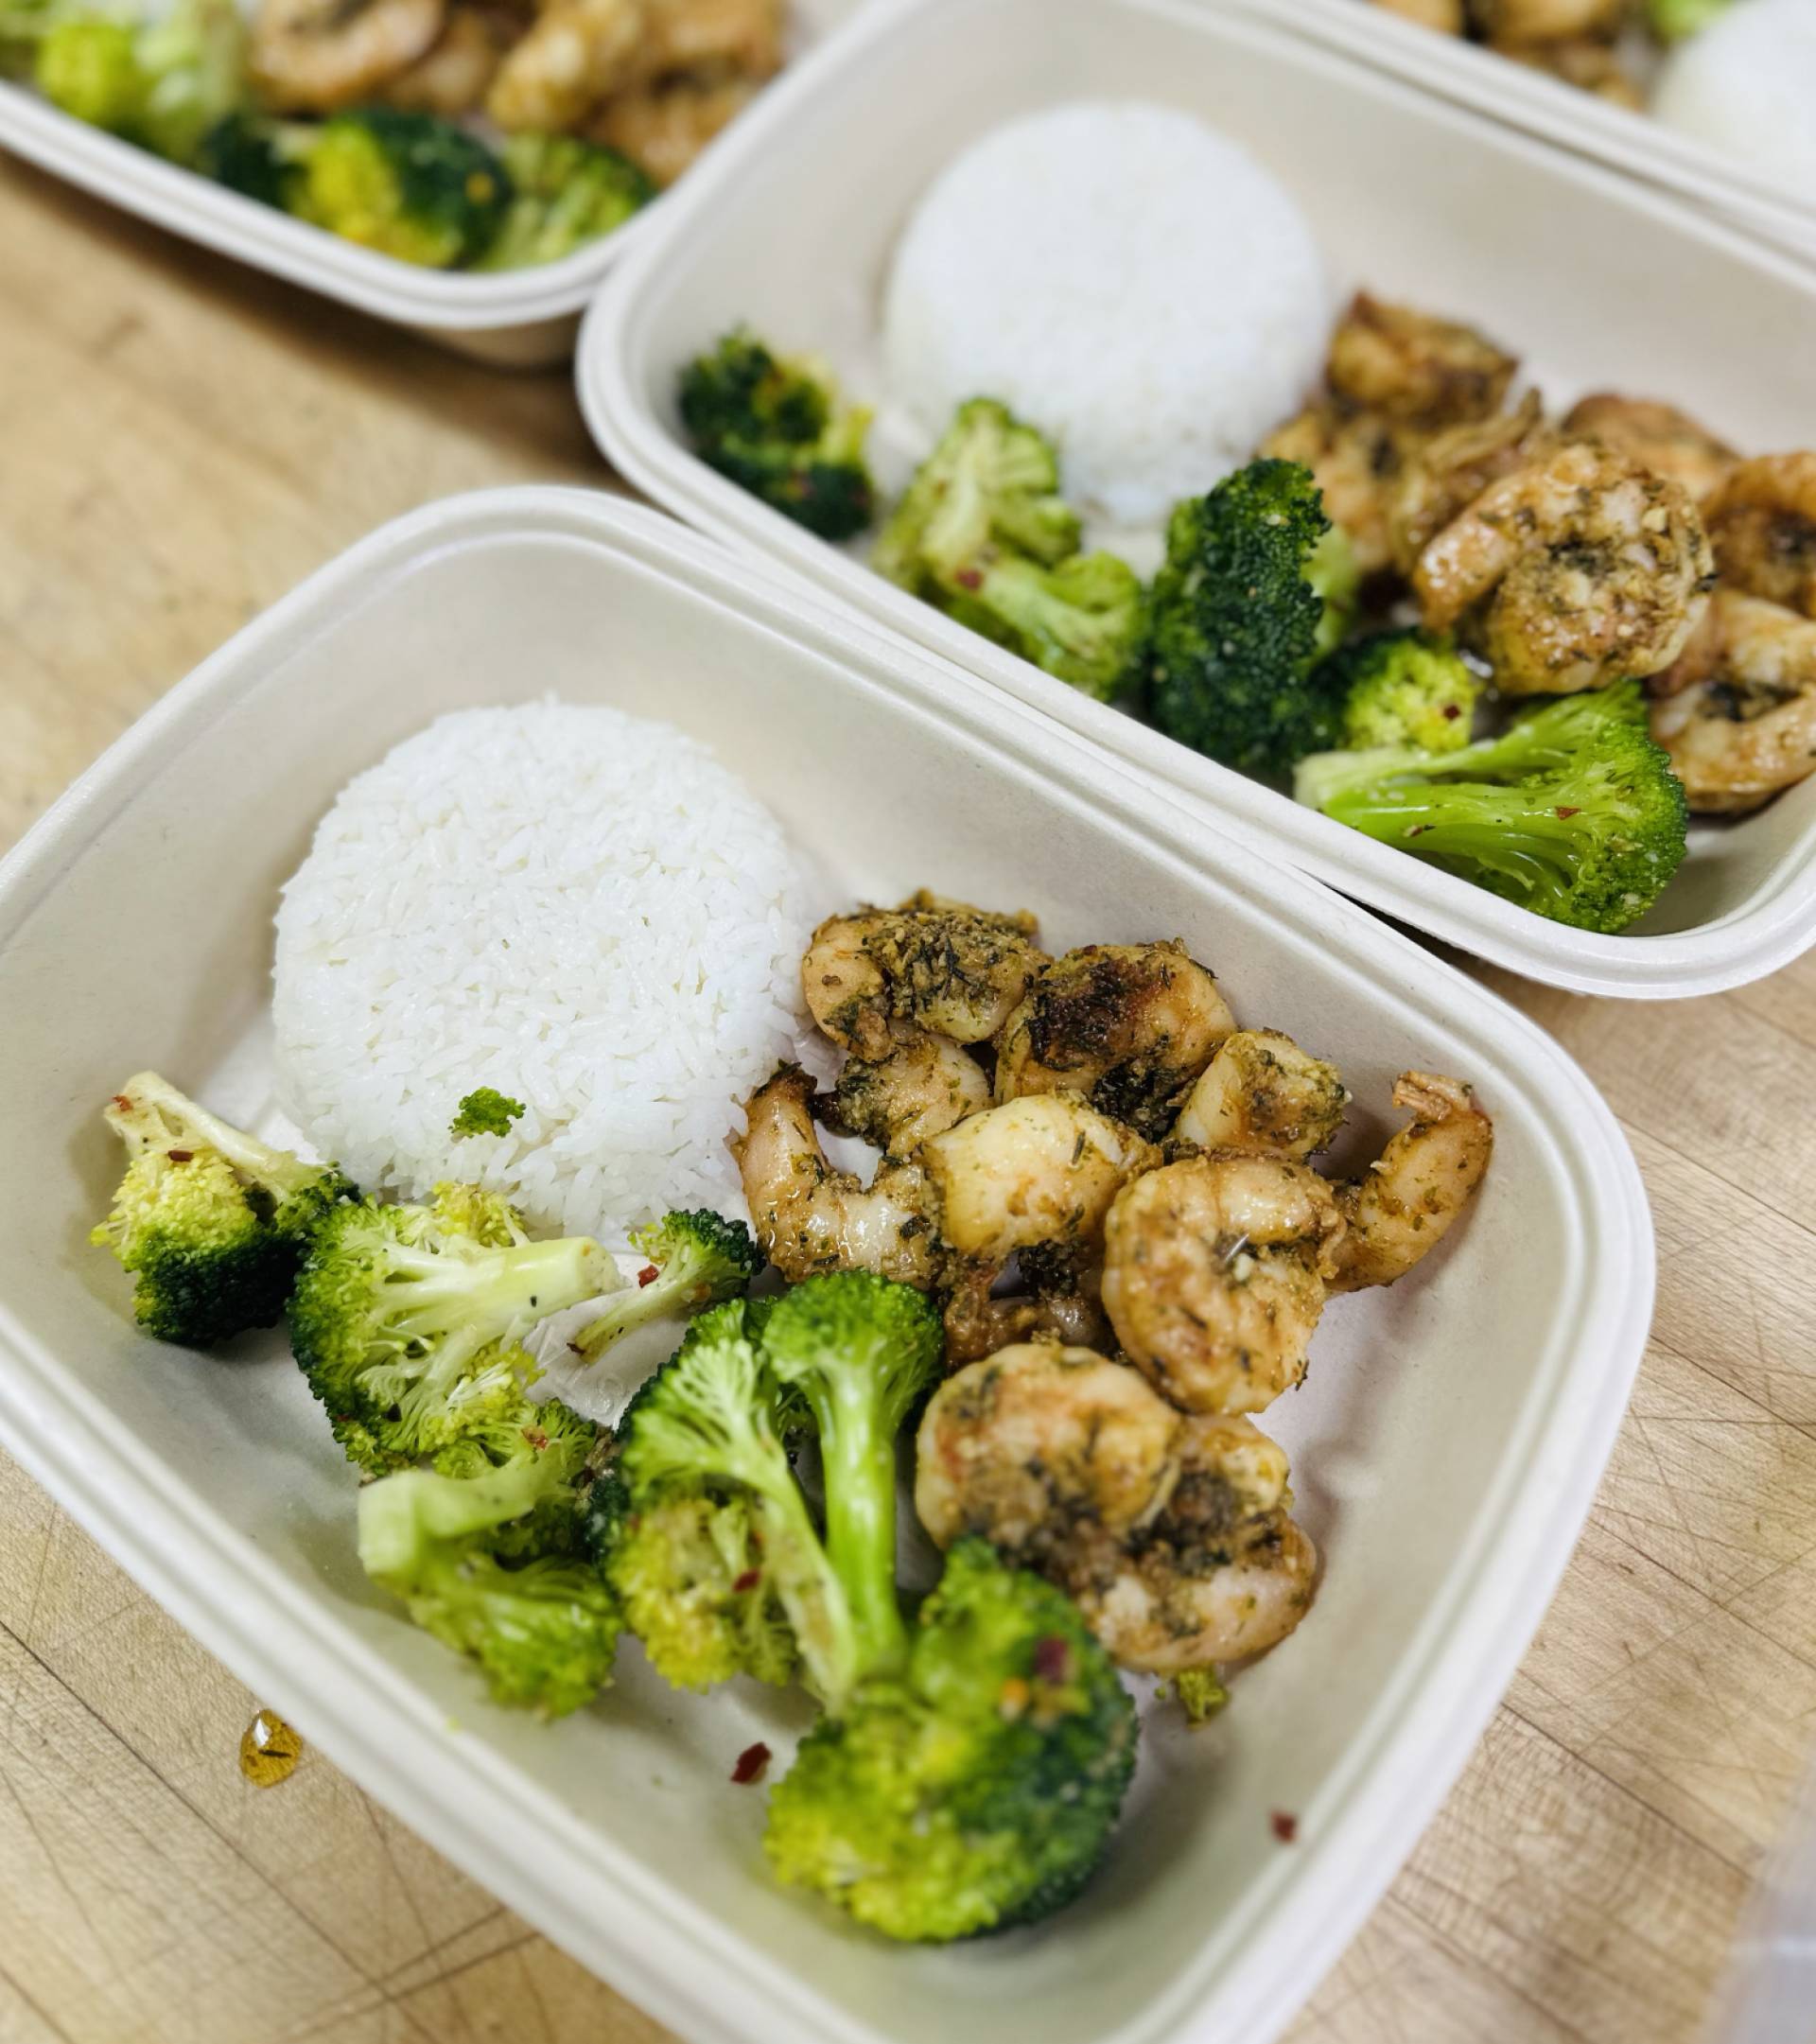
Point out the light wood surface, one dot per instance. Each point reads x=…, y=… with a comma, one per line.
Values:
x=180, y=442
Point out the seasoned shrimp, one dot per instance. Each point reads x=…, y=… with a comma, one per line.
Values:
x=316, y=56
x=979, y=1323
x=1512, y=22
x=1405, y=1203
x=1762, y=522
x=663, y=127
x=944, y=966
x=810, y=1217
x=575, y=54
x=1408, y=366
x=1354, y=457
x=1658, y=436
x=454, y=77
x=1446, y=472
x=1215, y=1270
x=921, y=1086
x=1039, y=1169
x=743, y=37
x=1740, y=724
x=1222, y=1572
x=1021, y=1447
x=1584, y=61
x=1264, y=1096
x=1444, y=15
x=1576, y=569
x=1129, y=1025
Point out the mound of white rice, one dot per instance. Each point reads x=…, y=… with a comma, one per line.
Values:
x=1747, y=83
x=1124, y=278
x=580, y=908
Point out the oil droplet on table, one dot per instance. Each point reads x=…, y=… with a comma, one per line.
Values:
x=269, y=1751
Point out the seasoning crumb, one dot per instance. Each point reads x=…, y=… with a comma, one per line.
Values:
x=751, y=1764
x=269, y=1751
x=1286, y=1826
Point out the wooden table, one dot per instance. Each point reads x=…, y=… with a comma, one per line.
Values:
x=180, y=442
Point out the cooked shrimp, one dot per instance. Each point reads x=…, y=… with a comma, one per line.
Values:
x=1041, y=1169
x=1446, y=472
x=1505, y=22
x=1222, y=1572
x=1129, y=1025
x=743, y=37
x=576, y=53
x=316, y=56
x=1445, y=15
x=1582, y=567
x=663, y=127
x=1409, y=366
x=1658, y=436
x=454, y=77
x=1023, y=1445
x=1762, y=522
x=1215, y=1270
x=979, y=1323
x=943, y=966
x=810, y=1217
x=921, y=1086
x=1743, y=726
x=1264, y=1096
x=1584, y=61
x=1405, y=1203
x=1354, y=457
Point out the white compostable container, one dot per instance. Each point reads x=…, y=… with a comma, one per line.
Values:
x=1447, y=1445
x=1599, y=284
x=519, y=319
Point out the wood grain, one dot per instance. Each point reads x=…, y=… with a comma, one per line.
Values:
x=180, y=442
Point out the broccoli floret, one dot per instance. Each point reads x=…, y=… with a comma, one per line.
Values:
x=1257, y=587
x=526, y=1604
x=486, y=1112
x=991, y=483
x=567, y=193
x=1672, y=21
x=775, y=426
x=164, y=84
x=407, y=185
x=409, y=1331
x=695, y=1260
x=258, y=157
x=1399, y=689
x=976, y=1788
x=1085, y=621
x=212, y=1222
x=1199, y=1693
x=1572, y=812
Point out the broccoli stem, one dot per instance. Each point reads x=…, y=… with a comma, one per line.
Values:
x=857, y=1453
x=402, y=1517
x=157, y=1114
x=1500, y=831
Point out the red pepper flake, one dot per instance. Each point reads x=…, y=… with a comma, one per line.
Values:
x=970, y=578
x=1051, y=1659
x=751, y=1763
x=180, y=1157
x=1286, y=1826
x=1452, y=711
x=750, y=1579
x=124, y=1102
x=1567, y=813
x=648, y=1275
x=536, y=1437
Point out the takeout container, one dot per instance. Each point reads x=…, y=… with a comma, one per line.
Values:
x=1600, y=284
x=519, y=319
x=1447, y=1445
x=1720, y=181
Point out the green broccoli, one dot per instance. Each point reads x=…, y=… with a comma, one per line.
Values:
x=975, y=1788
x=1673, y=21
x=1084, y=621
x=1402, y=687
x=409, y=185
x=775, y=426
x=212, y=1222
x=567, y=193
x=1573, y=811
x=486, y=1112
x=526, y=1604
x=694, y=1260
x=991, y=483
x=409, y=1329
x=1257, y=587
x=258, y=157
x=1199, y=1693
x=164, y=84
x=965, y=1776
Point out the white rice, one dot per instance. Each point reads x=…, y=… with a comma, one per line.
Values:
x=580, y=908
x=1747, y=83
x=1124, y=278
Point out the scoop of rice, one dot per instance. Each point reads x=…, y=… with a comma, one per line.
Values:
x=580, y=908
x=1747, y=83
x=1124, y=278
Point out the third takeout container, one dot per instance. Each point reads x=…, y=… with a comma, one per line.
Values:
x=1600, y=284
x=519, y=319
x=1447, y=1445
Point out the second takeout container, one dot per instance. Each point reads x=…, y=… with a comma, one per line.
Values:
x=519, y=319
x=1446, y=1444
x=1599, y=284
